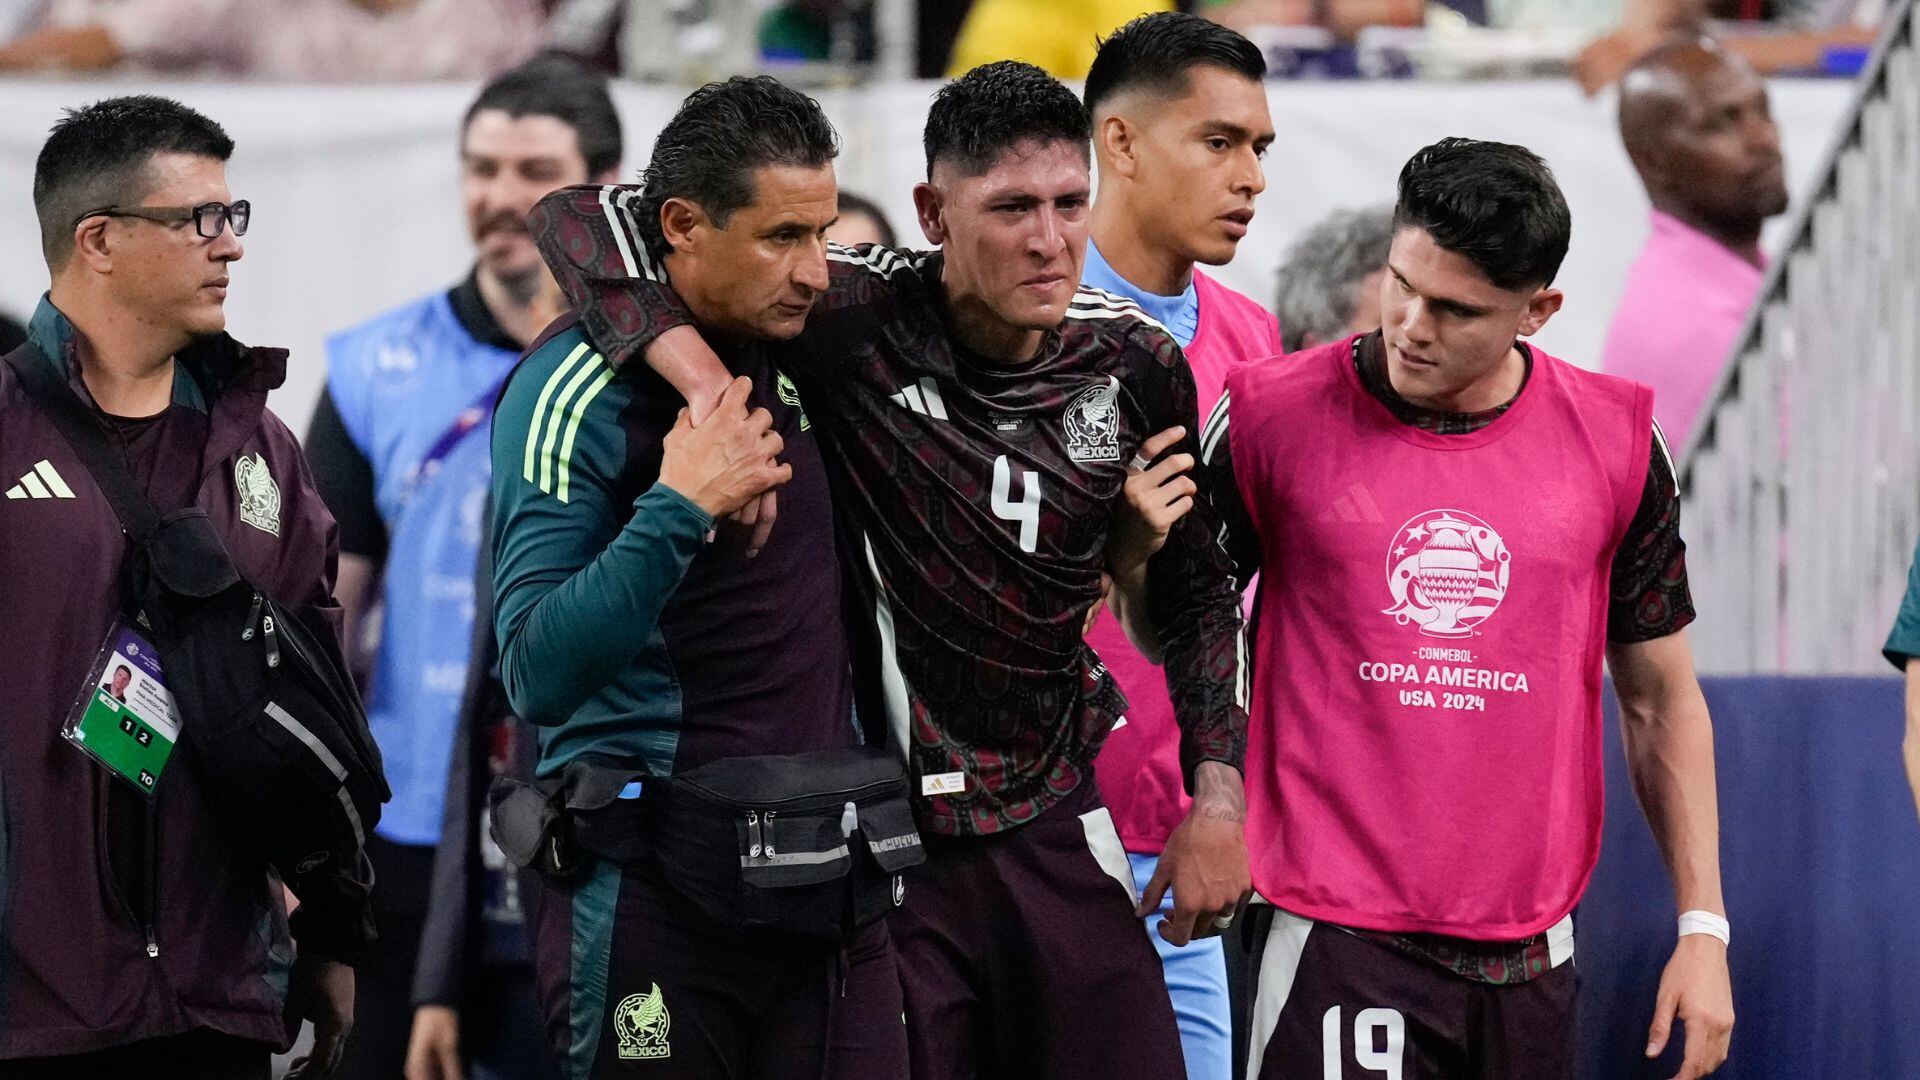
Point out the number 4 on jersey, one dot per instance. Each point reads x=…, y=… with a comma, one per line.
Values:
x=1027, y=511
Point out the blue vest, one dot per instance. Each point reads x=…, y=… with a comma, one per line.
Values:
x=400, y=381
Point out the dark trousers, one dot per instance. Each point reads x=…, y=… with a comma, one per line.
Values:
x=383, y=985
x=1334, y=1004
x=1021, y=957
x=637, y=982
x=197, y=1055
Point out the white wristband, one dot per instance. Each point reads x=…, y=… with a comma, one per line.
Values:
x=1705, y=922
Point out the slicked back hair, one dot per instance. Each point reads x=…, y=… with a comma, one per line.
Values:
x=1157, y=53
x=724, y=132
x=99, y=155
x=995, y=107
x=1495, y=204
x=559, y=86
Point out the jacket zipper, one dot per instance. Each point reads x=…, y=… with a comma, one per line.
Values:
x=152, y=883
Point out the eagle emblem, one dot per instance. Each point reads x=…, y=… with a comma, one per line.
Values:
x=641, y=1022
x=259, y=496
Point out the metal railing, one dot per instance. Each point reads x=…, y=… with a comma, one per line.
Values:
x=1802, y=482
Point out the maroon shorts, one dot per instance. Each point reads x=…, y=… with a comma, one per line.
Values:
x=636, y=982
x=1021, y=958
x=1334, y=1005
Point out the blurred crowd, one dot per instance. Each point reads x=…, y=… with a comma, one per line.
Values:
x=415, y=40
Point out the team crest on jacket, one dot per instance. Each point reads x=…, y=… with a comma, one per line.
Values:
x=1447, y=571
x=259, y=495
x=640, y=1022
x=1092, y=423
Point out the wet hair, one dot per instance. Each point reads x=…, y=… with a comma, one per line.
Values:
x=995, y=107
x=1155, y=53
x=867, y=208
x=559, y=86
x=1494, y=204
x=99, y=155
x=724, y=131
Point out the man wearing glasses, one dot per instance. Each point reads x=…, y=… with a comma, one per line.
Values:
x=136, y=938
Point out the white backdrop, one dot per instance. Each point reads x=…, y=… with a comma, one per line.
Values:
x=356, y=208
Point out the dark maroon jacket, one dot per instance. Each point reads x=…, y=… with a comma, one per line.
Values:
x=90, y=960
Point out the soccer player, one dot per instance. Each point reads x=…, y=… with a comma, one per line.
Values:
x=628, y=635
x=1180, y=124
x=1452, y=530
x=982, y=415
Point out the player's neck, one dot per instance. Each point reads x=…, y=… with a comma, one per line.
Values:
x=981, y=332
x=1144, y=264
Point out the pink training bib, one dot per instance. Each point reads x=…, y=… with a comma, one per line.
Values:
x=1138, y=769
x=1424, y=754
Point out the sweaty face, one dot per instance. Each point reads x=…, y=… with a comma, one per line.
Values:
x=174, y=279
x=507, y=165
x=1015, y=236
x=759, y=275
x=1723, y=149
x=1447, y=328
x=1198, y=162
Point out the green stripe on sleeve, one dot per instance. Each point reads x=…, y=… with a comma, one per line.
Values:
x=580, y=377
x=540, y=405
x=573, y=429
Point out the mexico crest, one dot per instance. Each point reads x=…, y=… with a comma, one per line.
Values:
x=1092, y=423
x=259, y=495
x=1447, y=571
x=640, y=1022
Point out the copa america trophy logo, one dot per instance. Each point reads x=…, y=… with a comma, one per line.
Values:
x=1448, y=572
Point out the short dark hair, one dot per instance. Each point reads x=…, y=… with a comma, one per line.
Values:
x=1495, y=204
x=982, y=114
x=556, y=85
x=98, y=155
x=860, y=204
x=1156, y=52
x=724, y=131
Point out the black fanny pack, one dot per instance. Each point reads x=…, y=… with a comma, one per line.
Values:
x=810, y=845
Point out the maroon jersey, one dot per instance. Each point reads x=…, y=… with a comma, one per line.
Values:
x=978, y=498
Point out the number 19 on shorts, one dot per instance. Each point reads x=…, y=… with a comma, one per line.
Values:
x=1379, y=1042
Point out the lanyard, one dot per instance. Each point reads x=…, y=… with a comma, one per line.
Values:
x=462, y=426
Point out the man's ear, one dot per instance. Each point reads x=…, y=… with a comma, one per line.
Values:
x=681, y=223
x=1540, y=309
x=1116, y=140
x=929, y=206
x=91, y=245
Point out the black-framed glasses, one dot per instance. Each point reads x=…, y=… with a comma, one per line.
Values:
x=208, y=218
